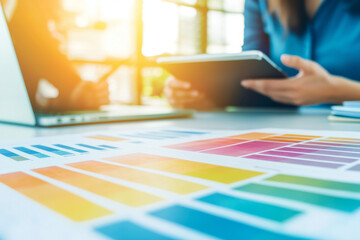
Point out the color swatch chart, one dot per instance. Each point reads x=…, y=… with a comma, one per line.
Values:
x=149, y=196
x=295, y=149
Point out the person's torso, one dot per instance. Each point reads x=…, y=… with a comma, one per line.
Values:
x=331, y=38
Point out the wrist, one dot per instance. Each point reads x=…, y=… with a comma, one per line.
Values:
x=343, y=89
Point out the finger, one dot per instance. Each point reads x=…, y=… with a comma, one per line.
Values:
x=177, y=84
x=299, y=63
x=266, y=86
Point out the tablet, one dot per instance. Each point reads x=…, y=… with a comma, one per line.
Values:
x=219, y=75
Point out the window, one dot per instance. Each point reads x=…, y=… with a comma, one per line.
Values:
x=120, y=39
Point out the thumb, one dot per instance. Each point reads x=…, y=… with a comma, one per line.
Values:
x=299, y=63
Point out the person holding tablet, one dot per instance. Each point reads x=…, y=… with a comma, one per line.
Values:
x=314, y=41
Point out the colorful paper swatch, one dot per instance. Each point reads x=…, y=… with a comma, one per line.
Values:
x=112, y=191
x=207, y=144
x=107, y=138
x=310, y=156
x=52, y=150
x=129, y=230
x=317, y=183
x=53, y=197
x=12, y=155
x=187, y=168
x=253, y=135
x=77, y=150
x=255, y=208
x=216, y=226
x=321, y=200
x=294, y=161
x=246, y=148
x=31, y=152
x=142, y=177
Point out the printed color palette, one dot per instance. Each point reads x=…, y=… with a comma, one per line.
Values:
x=187, y=168
x=53, y=197
x=295, y=149
x=321, y=200
x=142, y=177
x=263, y=210
x=216, y=226
x=129, y=230
x=107, y=138
x=112, y=191
x=12, y=155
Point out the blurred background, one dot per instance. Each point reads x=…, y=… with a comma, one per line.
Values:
x=121, y=39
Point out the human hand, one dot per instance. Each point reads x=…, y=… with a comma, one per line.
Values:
x=89, y=95
x=181, y=95
x=313, y=84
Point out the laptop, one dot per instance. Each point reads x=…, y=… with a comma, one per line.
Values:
x=16, y=107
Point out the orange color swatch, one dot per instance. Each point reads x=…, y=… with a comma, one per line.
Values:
x=142, y=177
x=53, y=197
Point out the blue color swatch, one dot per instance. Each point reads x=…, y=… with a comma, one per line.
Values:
x=216, y=226
x=129, y=230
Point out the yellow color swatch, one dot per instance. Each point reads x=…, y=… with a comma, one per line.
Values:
x=301, y=136
x=107, y=138
x=115, y=192
x=188, y=168
x=253, y=136
x=349, y=139
x=53, y=197
x=142, y=177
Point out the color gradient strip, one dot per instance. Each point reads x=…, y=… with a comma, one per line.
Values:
x=129, y=230
x=318, y=183
x=294, y=161
x=254, y=136
x=263, y=210
x=279, y=139
x=334, y=144
x=188, y=168
x=334, y=148
x=115, y=192
x=52, y=150
x=70, y=148
x=12, y=155
x=216, y=226
x=246, y=148
x=310, y=156
x=301, y=136
x=317, y=151
x=107, y=138
x=142, y=177
x=320, y=200
x=53, y=197
x=355, y=168
x=206, y=144
x=31, y=152
x=90, y=147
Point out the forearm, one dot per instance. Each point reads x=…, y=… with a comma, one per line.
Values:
x=344, y=90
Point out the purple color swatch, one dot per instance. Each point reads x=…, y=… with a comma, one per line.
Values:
x=294, y=161
x=334, y=148
x=310, y=156
x=325, y=152
x=355, y=168
x=246, y=148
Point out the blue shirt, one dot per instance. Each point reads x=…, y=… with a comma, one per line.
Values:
x=331, y=37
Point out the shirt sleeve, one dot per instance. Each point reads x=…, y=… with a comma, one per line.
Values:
x=255, y=37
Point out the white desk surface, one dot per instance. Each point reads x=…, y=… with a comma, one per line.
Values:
x=244, y=119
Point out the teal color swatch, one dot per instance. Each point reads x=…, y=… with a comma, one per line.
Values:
x=263, y=210
x=321, y=200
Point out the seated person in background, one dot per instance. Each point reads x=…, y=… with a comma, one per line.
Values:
x=316, y=42
x=40, y=57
